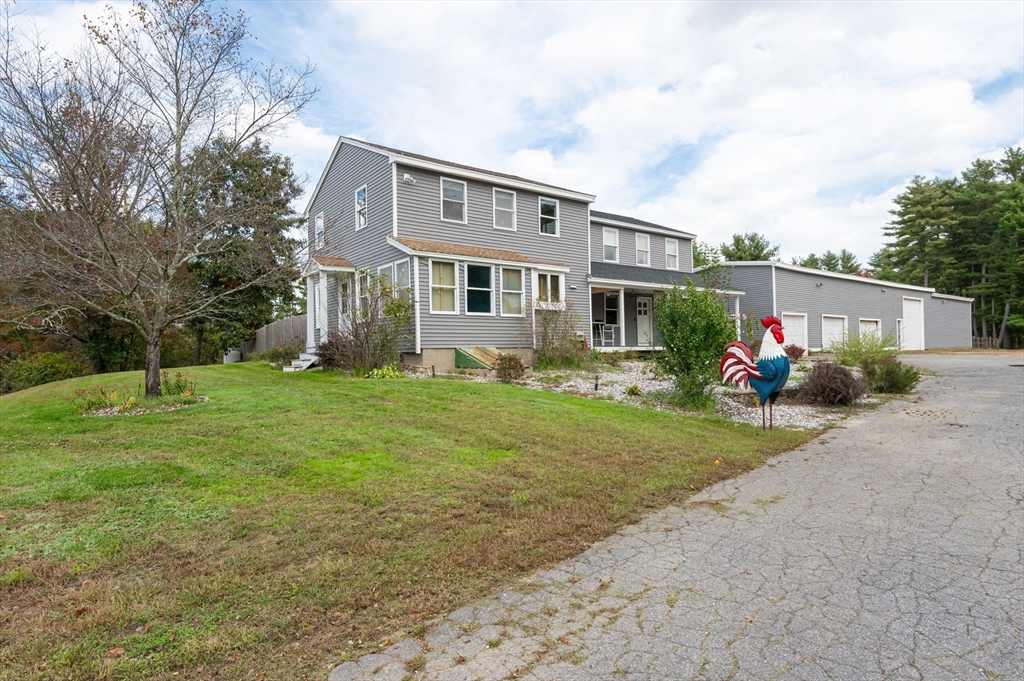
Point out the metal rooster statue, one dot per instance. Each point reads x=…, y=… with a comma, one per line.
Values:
x=768, y=375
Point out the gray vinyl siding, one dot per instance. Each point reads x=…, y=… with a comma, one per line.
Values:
x=462, y=330
x=756, y=283
x=627, y=248
x=947, y=323
x=352, y=168
x=419, y=217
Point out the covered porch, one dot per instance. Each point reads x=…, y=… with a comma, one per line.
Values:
x=622, y=315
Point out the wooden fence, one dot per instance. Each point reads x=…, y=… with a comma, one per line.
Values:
x=281, y=332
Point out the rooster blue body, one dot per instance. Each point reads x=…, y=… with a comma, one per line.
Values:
x=768, y=375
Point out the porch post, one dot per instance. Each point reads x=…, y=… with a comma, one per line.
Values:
x=310, y=312
x=622, y=317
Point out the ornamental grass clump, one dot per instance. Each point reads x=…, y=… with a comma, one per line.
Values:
x=890, y=376
x=831, y=385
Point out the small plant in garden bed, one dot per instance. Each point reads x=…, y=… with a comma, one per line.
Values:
x=178, y=390
x=794, y=352
x=634, y=390
x=832, y=385
x=389, y=371
x=509, y=368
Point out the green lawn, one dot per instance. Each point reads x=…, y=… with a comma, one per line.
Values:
x=296, y=520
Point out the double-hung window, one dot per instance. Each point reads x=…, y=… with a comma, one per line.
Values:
x=319, y=230
x=364, y=291
x=479, y=289
x=345, y=295
x=504, y=209
x=453, y=200
x=549, y=288
x=361, y=207
x=511, y=292
x=442, y=287
x=403, y=282
x=611, y=309
x=611, y=244
x=643, y=250
x=548, y=216
x=671, y=254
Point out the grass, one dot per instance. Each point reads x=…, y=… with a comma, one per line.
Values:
x=297, y=520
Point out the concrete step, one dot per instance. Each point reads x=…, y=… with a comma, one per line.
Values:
x=307, y=356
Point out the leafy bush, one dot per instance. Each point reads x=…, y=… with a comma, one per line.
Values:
x=831, y=385
x=634, y=390
x=794, y=352
x=390, y=371
x=553, y=333
x=97, y=398
x=509, y=368
x=178, y=384
x=872, y=348
x=694, y=328
x=40, y=368
x=282, y=353
x=373, y=331
x=890, y=376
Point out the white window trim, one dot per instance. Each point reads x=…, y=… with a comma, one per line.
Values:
x=430, y=286
x=465, y=285
x=676, y=242
x=394, y=274
x=341, y=297
x=869, y=319
x=636, y=243
x=558, y=217
x=604, y=233
x=494, y=211
x=522, y=294
x=465, y=200
x=545, y=305
x=319, y=230
x=365, y=208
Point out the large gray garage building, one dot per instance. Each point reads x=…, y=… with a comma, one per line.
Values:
x=818, y=307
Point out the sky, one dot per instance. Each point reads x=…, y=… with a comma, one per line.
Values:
x=800, y=121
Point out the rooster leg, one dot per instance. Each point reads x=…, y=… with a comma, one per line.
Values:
x=771, y=415
x=762, y=416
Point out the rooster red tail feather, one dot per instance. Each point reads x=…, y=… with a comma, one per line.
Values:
x=737, y=365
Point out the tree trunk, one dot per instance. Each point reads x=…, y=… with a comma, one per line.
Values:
x=153, y=365
x=1004, y=340
x=984, y=319
x=197, y=357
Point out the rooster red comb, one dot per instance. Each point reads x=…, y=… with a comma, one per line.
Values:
x=769, y=322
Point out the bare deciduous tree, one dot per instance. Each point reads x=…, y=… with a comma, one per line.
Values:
x=105, y=165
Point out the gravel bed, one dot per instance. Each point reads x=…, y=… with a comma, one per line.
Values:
x=613, y=382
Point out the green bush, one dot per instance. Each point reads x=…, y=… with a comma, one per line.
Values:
x=890, y=376
x=831, y=385
x=509, y=368
x=389, y=371
x=871, y=348
x=177, y=384
x=282, y=353
x=694, y=328
x=40, y=368
x=634, y=390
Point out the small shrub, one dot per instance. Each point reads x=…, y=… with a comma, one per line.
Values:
x=831, y=385
x=634, y=390
x=335, y=352
x=509, y=368
x=282, y=353
x=856, y=350
x=794, y=352
x=178, y=384
x=553, y=334
x=890, y=376
x=389, y=371
x=91, y=400
x=127, y=405
x=40, y=368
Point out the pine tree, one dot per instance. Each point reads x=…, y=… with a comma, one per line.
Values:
x=749, y=247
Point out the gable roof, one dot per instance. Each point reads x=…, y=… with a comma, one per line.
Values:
x=626, y=221
x=431, y=163
x=438, y=248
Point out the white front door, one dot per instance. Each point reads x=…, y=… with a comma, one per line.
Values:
x=833, y=330
x=644, y=332
x=794, y=328
x=913, y=324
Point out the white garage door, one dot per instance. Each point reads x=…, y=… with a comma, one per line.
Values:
x=794, y=327
x=913, y=324
x=869, y=327
x=833, y=330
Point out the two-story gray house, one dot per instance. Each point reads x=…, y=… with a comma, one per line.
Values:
x=479, y=252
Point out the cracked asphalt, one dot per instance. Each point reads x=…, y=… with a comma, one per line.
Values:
x=891, y=547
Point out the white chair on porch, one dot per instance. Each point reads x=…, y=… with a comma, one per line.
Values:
x=604, y=334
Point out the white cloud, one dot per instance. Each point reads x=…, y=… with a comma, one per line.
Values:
x=798, y=120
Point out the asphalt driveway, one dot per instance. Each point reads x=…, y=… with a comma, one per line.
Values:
x=892, y=547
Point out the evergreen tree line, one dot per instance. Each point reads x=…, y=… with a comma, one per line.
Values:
x=963, y=236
